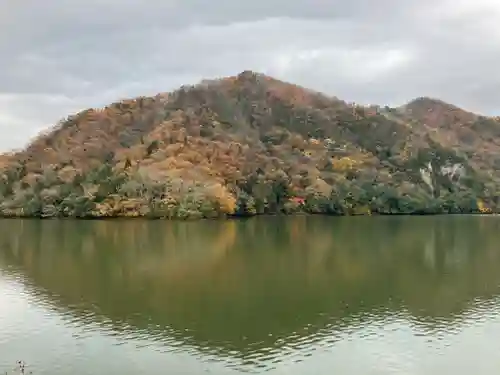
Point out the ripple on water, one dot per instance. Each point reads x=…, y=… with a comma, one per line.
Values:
x=388, y=353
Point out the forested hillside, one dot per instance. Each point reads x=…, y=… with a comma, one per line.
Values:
x=251, y=144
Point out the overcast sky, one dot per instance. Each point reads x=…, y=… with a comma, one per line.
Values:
x=60, y=56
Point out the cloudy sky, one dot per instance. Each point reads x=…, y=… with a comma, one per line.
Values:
x=60, y=56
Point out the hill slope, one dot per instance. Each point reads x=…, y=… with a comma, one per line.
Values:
x=251, y=144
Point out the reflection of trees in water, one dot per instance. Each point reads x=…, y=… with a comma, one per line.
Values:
x=228, y=285
x=455, y=254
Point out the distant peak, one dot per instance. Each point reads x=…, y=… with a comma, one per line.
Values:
x=426, y=101
x=248, y=75
x=437, y=113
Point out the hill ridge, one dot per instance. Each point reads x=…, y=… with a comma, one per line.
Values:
x=252, y=144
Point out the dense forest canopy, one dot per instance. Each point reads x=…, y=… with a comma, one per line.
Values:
x=251, y=144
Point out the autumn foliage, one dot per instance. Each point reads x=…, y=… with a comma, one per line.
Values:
x=249, y=145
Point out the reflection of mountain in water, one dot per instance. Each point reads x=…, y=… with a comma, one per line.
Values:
x=239, y=288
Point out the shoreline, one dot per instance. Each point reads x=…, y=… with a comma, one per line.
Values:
x=236, y=217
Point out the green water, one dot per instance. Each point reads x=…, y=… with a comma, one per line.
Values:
x=296, y=295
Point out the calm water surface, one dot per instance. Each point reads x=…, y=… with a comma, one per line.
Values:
x=302, y=295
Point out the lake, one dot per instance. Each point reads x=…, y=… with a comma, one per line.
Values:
x=280, y=295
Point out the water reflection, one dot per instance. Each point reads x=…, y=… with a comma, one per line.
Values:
x=260, y=290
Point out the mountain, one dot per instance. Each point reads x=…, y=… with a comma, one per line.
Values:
x=251, y=144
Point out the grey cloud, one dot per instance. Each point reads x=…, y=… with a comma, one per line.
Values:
x=175, y=13
x=61, y=57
